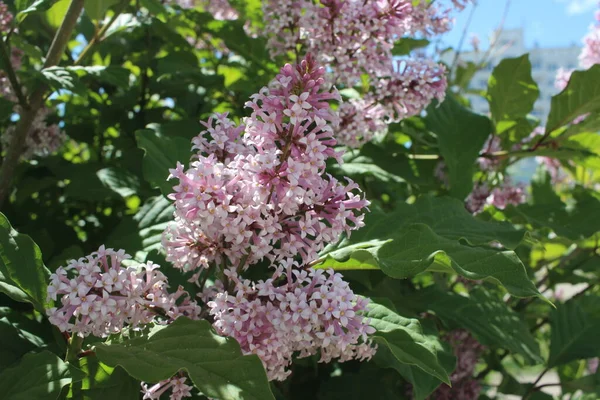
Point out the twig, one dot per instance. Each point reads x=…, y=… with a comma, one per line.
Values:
x=12, y=77
x=533, y=387
x=100, y=34
x=36, y=99
x=462, y=38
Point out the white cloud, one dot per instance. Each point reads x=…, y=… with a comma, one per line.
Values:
x=579, y=6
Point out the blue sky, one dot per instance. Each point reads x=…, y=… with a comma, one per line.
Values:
x=548, y=23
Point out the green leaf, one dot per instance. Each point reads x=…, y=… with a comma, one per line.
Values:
x=117, y=76
x=215, y=364
x=123, y=23
x=578, y=220
x=120, y=181
x=461, y=135
x=6, y=108
x=143, y=232
x=8, y=287
x=161, y=154
x=512, y=91
x=38, y=376
x=61, y=78
x=154, y=6
x=21, y=265
x=36, y=6
x=574, y=330
x=581, y=96
x=405, y=339
x=369, y=382
x=405, y=45
x=14, y=346
x=423, y=384
x=484, y=314
x=56, y=14
x=433, y=234
x=449, y=218
x=96, y=9
x=104, y=382
x=587, y=384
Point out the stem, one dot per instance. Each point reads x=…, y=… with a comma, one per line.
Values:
x=462, y=38
x=100, y=34
x=533, y=387
x=12, y=77
x=74, y=349
x=36, y=99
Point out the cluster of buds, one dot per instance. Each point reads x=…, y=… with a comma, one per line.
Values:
x=259, y=190
x=355, y=38
x=467, y=351
x=220, y=9
x=298, y=311
x=98, y=295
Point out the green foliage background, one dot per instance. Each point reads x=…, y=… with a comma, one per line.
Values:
x=131, y=101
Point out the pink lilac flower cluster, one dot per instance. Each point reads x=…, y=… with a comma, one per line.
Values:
x=360, y=121
x=486, y=161
x=298, y=311
x=592, y=365
x=500, y=196
x=259, y=189
x=179, y=389
x=353, y=38
x=220, y=9
x=16, y=54
x=6, y=18
x=562, y=78
x=43, y=139
x=357, y=36
x=590, y=54
x=98, y=295
x=467, y=351
x=553, y=165
x=404, y=93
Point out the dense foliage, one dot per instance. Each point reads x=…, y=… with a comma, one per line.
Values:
x=289, y=199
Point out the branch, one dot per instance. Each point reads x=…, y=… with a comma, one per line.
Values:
x=12, y=77
x=36, y=99
x=533, y=388
x=100, y=35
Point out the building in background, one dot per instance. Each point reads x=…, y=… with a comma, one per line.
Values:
x=545, y=63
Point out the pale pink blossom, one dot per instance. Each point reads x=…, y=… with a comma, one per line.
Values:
x=302, y=312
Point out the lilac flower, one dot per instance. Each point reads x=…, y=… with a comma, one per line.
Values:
x=562, y=78
x=220, y=9
x=360, y=121
x=590, y=54
x=297, y=311
x=592, y=365
x=103, y=296
x=42, y=140
x=6, y=18
x=179, y=389
x=259, y=190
